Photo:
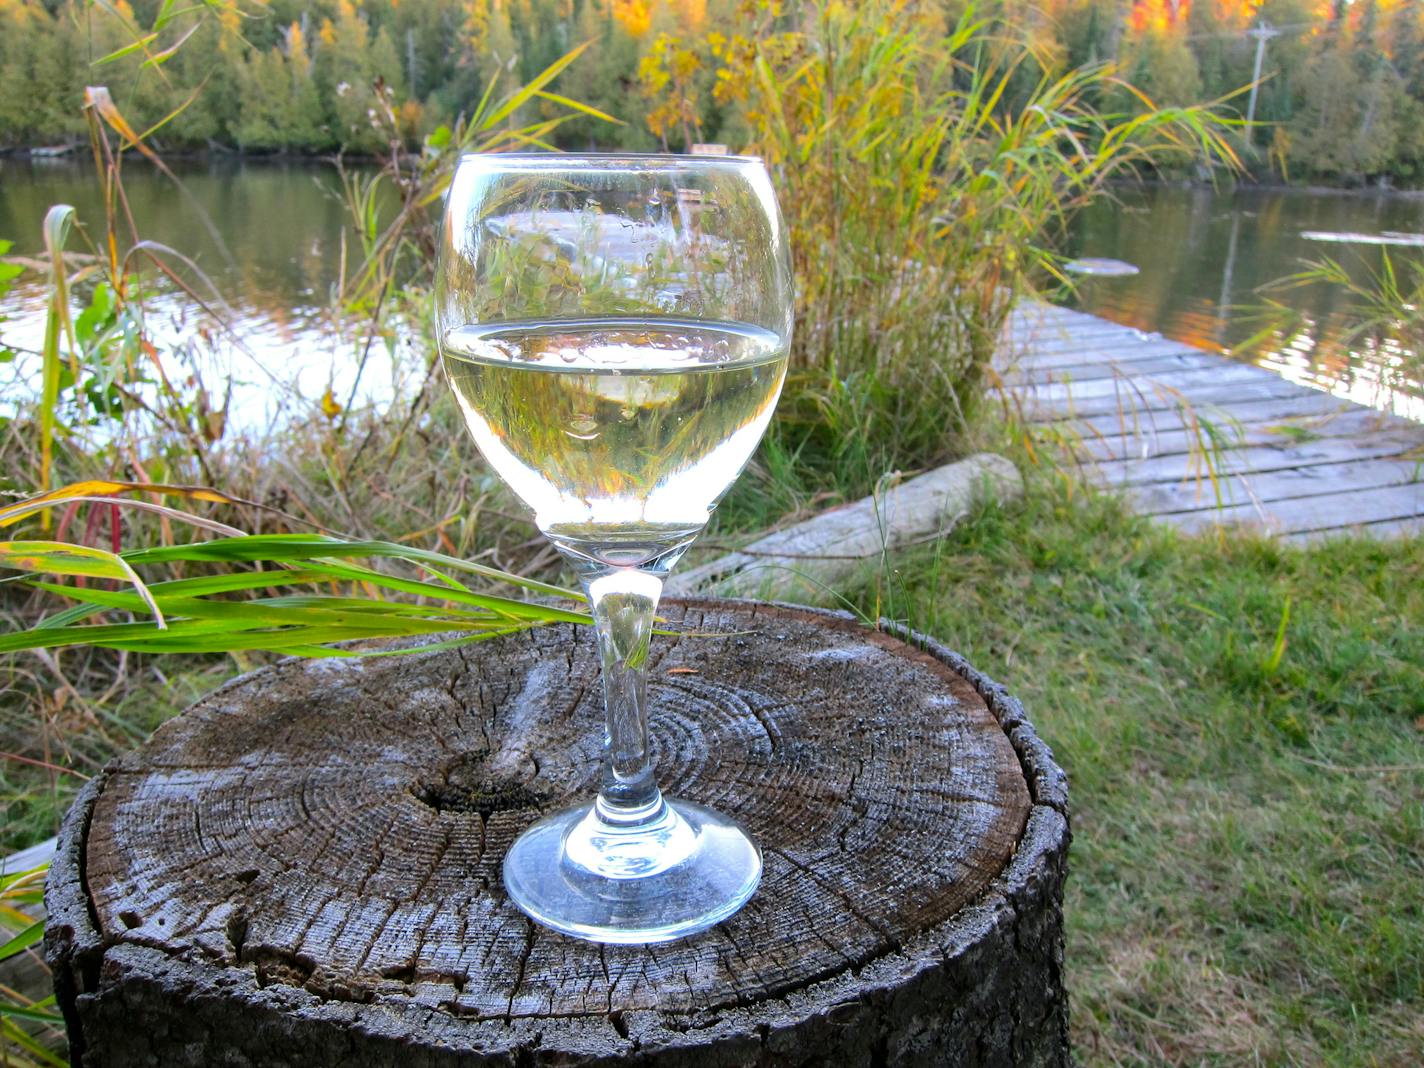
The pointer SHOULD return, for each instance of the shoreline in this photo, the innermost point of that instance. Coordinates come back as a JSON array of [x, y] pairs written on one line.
[[76, 151], [79, 153], [1249, 185]]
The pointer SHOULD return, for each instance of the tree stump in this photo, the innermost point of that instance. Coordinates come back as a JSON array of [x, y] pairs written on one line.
[[304, 868]]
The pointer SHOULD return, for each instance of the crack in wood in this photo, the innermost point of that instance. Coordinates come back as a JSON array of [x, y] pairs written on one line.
[[530, 933]]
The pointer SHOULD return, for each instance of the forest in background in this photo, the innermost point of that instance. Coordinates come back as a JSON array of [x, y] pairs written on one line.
[[1342, 93]]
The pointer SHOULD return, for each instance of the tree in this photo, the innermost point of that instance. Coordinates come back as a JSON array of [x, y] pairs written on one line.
[[1348, 121], [605, 77], [36, 74]]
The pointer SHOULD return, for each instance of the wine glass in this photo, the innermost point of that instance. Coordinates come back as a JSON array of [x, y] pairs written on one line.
[[615, 329]]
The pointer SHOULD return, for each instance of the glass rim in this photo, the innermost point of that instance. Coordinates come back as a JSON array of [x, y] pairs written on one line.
[[670, 159]]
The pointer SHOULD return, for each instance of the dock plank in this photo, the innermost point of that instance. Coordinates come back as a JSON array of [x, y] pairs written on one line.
[[1195, 495], [1066, 345], [1040, 371], [1186, 383], [1335, 511], [1389, 528], [1261, 458], [1271, 431], [1302, 407], [1137, 397], [1137, 410]]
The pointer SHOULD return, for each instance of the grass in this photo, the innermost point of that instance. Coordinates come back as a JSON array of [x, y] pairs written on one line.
[[1247, 779], [78, 737]]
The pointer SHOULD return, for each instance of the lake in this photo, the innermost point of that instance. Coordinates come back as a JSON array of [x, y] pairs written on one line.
[[269, 235], [1202, 256]]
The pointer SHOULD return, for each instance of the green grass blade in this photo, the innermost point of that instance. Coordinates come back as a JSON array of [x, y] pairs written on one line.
[[57, 223], [63, 558], [275, 547], [127, 50], [529, 91], [23, 941], [9, 1031], [31, 1012], [10, 880]]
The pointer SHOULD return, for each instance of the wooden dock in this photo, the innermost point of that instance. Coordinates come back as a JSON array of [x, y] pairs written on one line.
[[1198, 440]]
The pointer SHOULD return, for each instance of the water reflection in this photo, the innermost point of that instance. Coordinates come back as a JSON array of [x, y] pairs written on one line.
[[1203, 255], [269, 237]]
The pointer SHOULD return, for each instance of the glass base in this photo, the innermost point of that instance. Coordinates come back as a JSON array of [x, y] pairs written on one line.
[[670, 876]]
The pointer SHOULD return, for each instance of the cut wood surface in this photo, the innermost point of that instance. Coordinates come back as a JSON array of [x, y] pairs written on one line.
[[1202, 441], [811, 561], [304, 868]]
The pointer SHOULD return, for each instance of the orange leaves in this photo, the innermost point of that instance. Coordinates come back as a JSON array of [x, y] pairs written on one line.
[[635, 16]]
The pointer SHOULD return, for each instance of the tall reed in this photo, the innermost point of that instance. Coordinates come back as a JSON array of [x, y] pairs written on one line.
[[925, 170], [1380, 312]]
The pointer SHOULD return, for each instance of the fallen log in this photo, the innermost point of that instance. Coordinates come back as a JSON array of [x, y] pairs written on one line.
[[814, 559]]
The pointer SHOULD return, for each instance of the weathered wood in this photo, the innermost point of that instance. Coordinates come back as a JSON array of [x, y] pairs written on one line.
[[1304, 404], [304, 867], [1142, 398], [1273, 432], [1331, 511], [1170, 388], [25, 859], [1253, 459], [1128, 350], [1265, 486], [1142, 412], [812, 560], [1388, 528], [1081, 368]]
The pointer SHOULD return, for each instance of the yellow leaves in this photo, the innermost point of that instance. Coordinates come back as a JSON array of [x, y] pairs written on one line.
[[13, 513], [296, 43], [652, 75], [684, 63], [669, 71], [691, 13], [97, 98]]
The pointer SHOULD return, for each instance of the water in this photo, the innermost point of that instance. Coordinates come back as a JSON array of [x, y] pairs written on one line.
[[620, 434], [268, 240], [1203, 256]]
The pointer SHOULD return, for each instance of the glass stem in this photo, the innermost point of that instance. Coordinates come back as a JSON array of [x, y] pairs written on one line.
[[624, 601]]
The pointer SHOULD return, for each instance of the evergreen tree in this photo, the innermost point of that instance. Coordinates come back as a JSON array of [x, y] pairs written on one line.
[[1343, 89]]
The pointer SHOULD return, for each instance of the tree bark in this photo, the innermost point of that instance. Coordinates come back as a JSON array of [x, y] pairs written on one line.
[[304, 868]]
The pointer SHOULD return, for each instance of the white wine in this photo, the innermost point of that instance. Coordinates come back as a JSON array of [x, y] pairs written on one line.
[[620, 434]]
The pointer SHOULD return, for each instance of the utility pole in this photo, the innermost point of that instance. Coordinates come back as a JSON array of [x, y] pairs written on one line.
[[1262, 32]]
